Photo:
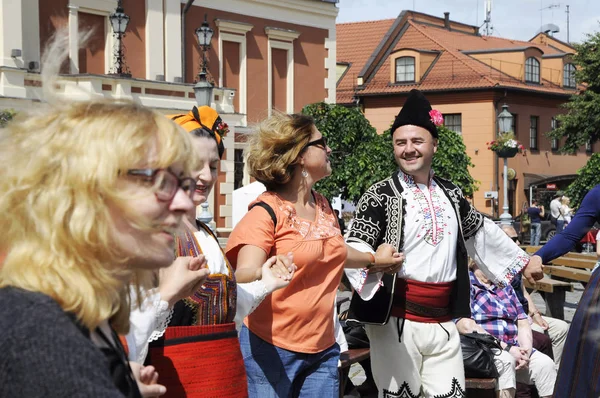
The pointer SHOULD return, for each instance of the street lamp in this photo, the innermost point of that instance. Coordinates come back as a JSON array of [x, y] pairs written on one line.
[[203, 88], [119, 21], [504, 125]]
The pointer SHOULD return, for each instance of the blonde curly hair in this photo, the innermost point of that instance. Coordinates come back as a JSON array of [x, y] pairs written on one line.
[[59, 178], [274, 148]]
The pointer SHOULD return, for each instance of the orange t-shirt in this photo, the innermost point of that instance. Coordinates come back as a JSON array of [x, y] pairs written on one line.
[[298, 317]]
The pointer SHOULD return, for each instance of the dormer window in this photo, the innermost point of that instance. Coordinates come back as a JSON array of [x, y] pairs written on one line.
[[569, 76], [532, 70], [405, 69]]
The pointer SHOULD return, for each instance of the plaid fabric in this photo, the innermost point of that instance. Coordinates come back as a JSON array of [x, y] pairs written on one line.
[[496, 310]]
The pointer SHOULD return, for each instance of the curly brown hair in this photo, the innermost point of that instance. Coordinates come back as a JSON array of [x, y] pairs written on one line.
[[275, 146]]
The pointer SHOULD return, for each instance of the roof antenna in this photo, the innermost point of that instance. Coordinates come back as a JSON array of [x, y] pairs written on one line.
[[487, 21]]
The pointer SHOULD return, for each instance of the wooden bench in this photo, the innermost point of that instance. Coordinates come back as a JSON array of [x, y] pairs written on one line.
[[481, 388], [554, 294], [347, 359]]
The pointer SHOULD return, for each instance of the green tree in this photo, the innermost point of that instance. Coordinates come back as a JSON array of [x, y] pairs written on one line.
[[580, 124], [360, 157], [587, 178]]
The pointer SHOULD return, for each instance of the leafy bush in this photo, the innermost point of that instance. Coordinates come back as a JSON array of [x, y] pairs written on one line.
[[587, 178]]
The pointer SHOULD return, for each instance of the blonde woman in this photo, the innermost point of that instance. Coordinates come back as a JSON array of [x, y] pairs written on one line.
[[288, 342], [91, 194]]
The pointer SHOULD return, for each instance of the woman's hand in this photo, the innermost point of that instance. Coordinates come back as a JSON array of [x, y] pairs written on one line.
[[387, 259], [278, 271], [147, 380], [182, 278]]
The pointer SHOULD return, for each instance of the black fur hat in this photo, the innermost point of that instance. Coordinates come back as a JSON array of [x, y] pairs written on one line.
[[417, 112]]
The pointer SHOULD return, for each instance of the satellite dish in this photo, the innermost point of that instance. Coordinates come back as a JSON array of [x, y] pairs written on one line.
[[549, 28]]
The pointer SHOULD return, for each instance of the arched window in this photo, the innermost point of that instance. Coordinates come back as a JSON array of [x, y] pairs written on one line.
[[569, 76], [405, 69], [532, 70]]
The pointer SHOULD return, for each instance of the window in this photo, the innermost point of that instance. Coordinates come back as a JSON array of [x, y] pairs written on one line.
[[532, 70], [453, 121], [533, 132], [569, 76], [514, 124], [588, 146], [405, 69], [238, 168], [555, 141]]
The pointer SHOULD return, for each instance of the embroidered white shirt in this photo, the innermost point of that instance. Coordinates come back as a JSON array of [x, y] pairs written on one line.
[[430, 233]]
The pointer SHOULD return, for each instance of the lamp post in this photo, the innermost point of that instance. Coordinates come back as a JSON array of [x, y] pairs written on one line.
[[504, 125], [119, 21], [203, 88]]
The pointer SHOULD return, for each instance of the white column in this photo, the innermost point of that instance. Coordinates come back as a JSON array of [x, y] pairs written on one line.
[[330, 66], [155, 53], [172, 31], [31, 32], [11, 37], [73, 39]]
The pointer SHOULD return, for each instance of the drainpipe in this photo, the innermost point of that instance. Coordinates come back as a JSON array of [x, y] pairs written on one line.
[[186, 8]]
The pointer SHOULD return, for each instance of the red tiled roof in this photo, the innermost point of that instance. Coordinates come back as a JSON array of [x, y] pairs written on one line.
[[355, 43], [453, 69]]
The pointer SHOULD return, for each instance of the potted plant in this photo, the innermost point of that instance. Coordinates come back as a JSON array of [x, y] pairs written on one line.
[[506, 146]]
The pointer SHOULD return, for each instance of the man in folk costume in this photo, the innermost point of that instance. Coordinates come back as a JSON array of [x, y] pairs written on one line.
[[415, 347]]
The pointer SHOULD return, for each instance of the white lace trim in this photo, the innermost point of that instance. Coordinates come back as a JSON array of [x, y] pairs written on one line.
[[262, 293], [162, 318]]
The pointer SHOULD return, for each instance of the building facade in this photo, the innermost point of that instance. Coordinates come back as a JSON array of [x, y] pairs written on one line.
[[468, 78], [265, 55]]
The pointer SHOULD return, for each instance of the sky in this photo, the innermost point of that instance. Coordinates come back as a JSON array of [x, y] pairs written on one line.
[[512, 19]]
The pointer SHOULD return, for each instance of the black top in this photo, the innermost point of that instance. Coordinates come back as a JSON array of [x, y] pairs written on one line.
[[45, 354], [534, 214]]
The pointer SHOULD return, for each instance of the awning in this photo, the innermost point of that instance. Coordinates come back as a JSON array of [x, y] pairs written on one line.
[[540, 180]]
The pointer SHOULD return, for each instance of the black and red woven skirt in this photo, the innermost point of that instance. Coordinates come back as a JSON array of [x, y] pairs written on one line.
[[200, 361]]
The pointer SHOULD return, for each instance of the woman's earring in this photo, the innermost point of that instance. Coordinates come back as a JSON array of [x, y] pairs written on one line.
[[304, 173]]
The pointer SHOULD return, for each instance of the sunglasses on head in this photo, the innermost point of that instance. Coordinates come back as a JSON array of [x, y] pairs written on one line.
[[514, 238], [320, 143]]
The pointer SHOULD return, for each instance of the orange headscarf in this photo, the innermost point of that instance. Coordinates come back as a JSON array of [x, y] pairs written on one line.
[[203, 118]]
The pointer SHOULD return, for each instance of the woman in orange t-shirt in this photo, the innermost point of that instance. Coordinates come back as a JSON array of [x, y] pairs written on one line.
[[288, 342]]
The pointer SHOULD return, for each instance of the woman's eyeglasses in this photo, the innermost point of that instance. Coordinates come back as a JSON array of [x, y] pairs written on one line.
[[514, 238], [320, 143], [165, 183]]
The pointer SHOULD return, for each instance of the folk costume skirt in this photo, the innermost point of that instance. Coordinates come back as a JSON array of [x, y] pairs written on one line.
[[200, 362]]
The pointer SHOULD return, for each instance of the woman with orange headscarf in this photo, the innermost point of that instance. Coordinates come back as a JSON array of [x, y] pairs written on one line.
[[190, 329]]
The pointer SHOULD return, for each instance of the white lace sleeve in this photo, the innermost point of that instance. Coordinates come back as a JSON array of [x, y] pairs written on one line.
[[148, 323], [496, 254], [249, 296]]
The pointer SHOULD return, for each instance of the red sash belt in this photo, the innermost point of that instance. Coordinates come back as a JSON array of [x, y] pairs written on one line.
[[200, 361], [422, 301]]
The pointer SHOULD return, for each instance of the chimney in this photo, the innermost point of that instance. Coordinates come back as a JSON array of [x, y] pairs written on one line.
[[447, 20]]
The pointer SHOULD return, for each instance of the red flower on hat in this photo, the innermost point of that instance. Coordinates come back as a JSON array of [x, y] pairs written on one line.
[[436, 117], [222, 129]]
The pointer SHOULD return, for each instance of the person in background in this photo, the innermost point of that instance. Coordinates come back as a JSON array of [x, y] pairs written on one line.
[[288, 342], [557, 329], [566, 210], [536, 213], [498, 312], [578, 374], [341, 221], [91, 193], [556, 215], [525, 221], [206, 310]]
